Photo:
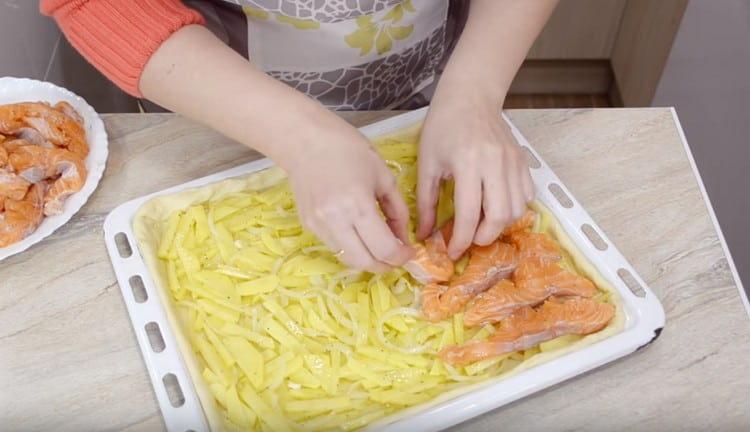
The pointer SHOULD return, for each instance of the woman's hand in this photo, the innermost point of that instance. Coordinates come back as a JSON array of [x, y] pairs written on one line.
[[466, 139], [338, 180], [464, 136]]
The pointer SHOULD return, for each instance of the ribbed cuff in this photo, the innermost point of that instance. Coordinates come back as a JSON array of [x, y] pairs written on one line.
[[118, 37]]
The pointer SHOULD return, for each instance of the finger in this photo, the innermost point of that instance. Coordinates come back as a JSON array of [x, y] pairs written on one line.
[[428, 188], [355, 253], [380, 241], [324, 235], [517, 199], [495, 206], [468, 204], [527, 183], [395, 210]]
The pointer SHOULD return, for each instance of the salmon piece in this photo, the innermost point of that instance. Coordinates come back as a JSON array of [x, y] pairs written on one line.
[[524, 223], [528, 327], [3, 157], [505, 297], [535, 245], [11, 145], [21, 217], [69, 111], [12, 186], [34, 164], [53, 125], [30, 136], [496, 303], [538, 276], [432, 308], [487, 265], [431, 262]]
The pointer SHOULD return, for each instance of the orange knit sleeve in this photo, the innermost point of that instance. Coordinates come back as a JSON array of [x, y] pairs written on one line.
[[118, 37]]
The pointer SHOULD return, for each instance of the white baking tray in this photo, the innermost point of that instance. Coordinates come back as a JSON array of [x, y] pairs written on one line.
[[644, 316]]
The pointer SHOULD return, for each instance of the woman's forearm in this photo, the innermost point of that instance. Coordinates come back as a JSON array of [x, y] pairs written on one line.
[[494, 43], [194, 74]]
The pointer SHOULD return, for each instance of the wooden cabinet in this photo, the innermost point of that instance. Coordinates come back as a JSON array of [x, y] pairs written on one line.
[[579, 29], [614, 47]]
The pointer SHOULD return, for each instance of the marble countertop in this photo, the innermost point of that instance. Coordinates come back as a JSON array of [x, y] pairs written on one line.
[[69, 359]]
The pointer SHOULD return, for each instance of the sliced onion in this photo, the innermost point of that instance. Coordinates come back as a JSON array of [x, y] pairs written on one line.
[[455, 376], [390, 314], [317, 248], [400, 286]]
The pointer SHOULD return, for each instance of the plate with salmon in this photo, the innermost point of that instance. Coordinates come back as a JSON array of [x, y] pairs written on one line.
[[53, 150], [265, 329]]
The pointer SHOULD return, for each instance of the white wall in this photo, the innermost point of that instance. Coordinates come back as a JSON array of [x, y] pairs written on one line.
[[27, 39], [707, 79], [31, 46]]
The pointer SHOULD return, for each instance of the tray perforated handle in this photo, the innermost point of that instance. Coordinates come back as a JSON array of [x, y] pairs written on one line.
[[180, 408], [588, 236]]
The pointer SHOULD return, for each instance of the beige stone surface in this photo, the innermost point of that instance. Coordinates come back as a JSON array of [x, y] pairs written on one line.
[[69, 359]]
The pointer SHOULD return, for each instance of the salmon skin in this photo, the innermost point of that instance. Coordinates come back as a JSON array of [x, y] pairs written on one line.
[[528, 327]]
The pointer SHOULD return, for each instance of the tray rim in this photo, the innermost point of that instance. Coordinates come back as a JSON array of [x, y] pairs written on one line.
[[644, 316]]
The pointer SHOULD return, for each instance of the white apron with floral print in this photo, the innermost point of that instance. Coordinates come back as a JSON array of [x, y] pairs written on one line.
[[348, 54]]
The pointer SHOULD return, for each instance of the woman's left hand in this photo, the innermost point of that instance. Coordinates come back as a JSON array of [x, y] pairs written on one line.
[[468, 140]]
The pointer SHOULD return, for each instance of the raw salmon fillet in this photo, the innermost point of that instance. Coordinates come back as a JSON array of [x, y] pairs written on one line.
[[535, 245], [487, 265], [535, 275], [431, 262], [528, 327], [502, 299], [522, 224]]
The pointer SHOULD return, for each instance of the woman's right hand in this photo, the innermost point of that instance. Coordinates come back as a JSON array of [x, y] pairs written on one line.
[[337, 177], [338, 181]]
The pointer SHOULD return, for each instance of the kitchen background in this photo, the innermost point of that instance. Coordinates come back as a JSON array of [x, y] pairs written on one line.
[[693, 55]]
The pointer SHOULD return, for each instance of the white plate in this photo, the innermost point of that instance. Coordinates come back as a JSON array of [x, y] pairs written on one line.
[[644, 316], [27, 90]]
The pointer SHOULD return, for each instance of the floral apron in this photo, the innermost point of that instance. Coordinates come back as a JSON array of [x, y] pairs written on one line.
[[347, 54]]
